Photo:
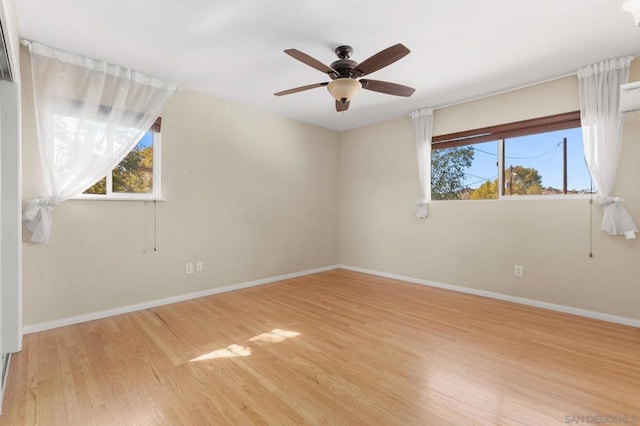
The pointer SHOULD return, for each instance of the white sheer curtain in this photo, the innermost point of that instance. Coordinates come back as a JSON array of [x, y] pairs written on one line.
[[599, 88], [423, 126], [89, 114]]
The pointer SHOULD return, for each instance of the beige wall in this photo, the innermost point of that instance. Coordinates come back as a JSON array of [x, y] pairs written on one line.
[[476, 243], [255, 196], [250, 194]]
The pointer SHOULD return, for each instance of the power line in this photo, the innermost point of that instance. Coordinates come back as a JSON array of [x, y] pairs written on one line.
[[519, 158], [482, 179], [552, 150], [551, 157], [485, 152], [479, 177]]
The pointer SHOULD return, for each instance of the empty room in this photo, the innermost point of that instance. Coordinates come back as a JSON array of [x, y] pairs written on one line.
[[337, 213]]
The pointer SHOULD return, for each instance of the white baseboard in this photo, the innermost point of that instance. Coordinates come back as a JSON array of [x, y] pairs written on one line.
[[514, 299], [166, 301], [174, 299]]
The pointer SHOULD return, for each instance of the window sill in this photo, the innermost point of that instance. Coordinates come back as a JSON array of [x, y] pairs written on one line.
[[144, 198], [548, 197], [510, 198]]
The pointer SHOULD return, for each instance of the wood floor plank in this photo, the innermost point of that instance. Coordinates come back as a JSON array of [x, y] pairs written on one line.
[[335, 348]]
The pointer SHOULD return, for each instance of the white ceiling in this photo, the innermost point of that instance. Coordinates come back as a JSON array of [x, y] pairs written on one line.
[[233, 50]]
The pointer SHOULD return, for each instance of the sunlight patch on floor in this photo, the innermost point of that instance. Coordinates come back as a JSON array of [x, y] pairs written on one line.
[[230, 351], [274, 336]]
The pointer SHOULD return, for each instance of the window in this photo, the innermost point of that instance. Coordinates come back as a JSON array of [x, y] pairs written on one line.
[[138, 174], [549, 163], [542, 157]]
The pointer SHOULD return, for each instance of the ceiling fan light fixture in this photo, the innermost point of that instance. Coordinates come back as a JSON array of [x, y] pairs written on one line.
[[633, 7], [343, 89]]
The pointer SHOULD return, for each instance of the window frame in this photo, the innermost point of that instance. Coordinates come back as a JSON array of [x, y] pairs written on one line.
[[155, 195], [500, 132]]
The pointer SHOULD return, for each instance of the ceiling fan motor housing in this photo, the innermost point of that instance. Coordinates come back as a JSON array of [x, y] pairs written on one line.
[[344, 65]]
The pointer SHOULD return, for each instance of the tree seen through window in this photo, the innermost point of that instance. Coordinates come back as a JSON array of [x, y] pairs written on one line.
[[134, 174]]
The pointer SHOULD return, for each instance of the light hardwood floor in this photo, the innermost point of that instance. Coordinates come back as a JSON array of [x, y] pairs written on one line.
[[337, 348]]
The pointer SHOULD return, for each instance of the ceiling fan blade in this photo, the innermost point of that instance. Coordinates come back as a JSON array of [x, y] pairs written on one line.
[[380, 60], [312, 62], [386, 87], [300, 89], [342, 106]]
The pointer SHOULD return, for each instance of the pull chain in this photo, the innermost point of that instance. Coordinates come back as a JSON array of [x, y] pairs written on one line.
[[155, 226]]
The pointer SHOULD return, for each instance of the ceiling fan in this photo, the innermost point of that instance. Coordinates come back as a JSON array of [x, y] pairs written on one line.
[[345, 74]]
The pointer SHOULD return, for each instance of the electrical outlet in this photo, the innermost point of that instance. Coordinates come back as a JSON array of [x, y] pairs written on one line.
[[188, 268], [199, 266], [518, 270]]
